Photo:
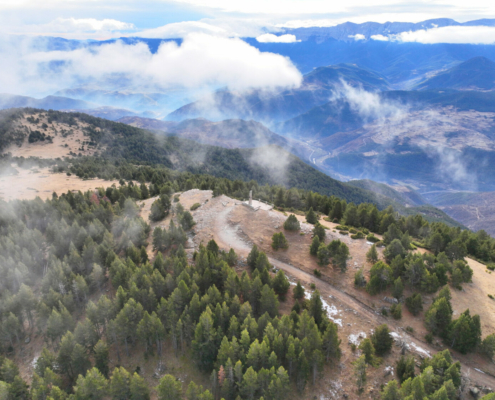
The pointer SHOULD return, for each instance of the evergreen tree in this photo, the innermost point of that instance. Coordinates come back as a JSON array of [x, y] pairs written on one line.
[[93, 386], [414, 304], [169, 388], [372, 254], [292, 224], [319, 231], [398, 288], [281, 284], [298, 291], [252, 257], [120, 384], [382, 340], [315, 245], [366, 346], [360, 372], [101, 358], [323, 255], [405, 368], [138, 388], [311, 217]]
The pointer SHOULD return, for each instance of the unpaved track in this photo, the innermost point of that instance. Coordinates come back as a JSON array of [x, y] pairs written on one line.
[[227, 235]]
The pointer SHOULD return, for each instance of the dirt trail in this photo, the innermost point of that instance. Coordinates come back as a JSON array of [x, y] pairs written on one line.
[[227, 236]]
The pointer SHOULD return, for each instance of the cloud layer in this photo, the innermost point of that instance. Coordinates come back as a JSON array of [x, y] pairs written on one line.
[[451, 34], [200, 61], [271, 38]]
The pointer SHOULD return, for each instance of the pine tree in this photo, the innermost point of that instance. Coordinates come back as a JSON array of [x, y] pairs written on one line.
[[319, 231], [169, 388], [398, 288], [249, 383], [391, 391], [360, 372], [382, 340], [101, 358], [372, 254], [315, 245], [292, 224], [323, 255], [298, 291], [92, 386], [281, 284], [120, 384], [253, 257], [405, 368], [311, 217], [366, 346]]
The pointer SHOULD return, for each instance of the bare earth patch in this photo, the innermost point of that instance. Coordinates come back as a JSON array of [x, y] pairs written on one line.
[[30, 183]]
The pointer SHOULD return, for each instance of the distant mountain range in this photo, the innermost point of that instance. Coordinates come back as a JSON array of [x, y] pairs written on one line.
[[347, 30], [317, 88], [477, 73]]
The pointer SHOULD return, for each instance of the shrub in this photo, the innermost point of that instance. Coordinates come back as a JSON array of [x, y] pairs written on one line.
[[319, 231], [353, 230], [414, 304], [176, 198], [292, 224], [312, 286], [317, 273], [315, 245], [311, 217], [343, 232], [382, 339], [359, 279], [491, 266], [429, 338], [358, 235], [195, 206], [372, 255], [380, 277], [279, 241], [372, 238], [298, 291], [396, 311]]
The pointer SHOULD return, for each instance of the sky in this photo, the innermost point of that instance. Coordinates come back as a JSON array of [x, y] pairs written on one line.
[[211, 55], [103, 19]]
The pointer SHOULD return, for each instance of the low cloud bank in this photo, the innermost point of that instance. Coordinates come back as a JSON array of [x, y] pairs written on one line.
[[199, 61]]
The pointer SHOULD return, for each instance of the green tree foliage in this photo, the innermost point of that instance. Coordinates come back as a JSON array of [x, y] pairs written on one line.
[[319, 231], [279, 241], [414, 303], [281, 284], [291, 223], [464, 333], [311, 217], [382, 339], [380, 278], [298, 291], [160, 208], [315, 245], [372, 254], [169, 388], [488, 346], [360, 372], [405, 368]]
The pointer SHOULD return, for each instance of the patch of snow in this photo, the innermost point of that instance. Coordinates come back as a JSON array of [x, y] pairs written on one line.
[[389, 370], [410, 345], [331, 311], [370, 243], [420, 350], [35, 360], [356, 338], [479, 370]]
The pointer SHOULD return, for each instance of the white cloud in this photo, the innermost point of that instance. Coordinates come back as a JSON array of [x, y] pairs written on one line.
[[200, 61], [380, 38], [451, 34], [271, 38], [357, 36], [181, 30], [86, 25]]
